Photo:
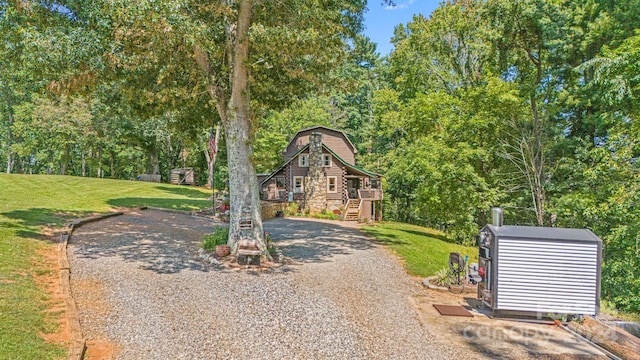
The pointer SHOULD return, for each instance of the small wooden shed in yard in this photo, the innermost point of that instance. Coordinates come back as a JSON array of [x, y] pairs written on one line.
[[183, 176]]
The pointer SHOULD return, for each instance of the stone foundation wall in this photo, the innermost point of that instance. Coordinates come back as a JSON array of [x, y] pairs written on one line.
[[334, 204], [269, 209]]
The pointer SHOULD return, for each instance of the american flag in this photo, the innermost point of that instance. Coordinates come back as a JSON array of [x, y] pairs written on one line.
[[213, 147]]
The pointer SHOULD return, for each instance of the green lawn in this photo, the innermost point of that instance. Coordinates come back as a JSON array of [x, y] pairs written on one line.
[[28, 203], [424, 250]]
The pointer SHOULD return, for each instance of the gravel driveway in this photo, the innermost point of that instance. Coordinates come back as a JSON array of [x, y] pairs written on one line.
[[140, 288]]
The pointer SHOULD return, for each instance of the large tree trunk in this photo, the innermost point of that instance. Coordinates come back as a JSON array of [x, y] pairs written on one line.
[[234, 111], [10, 158], [112, 164], [155, 162], [537, 160], [243, 180], [211, 157], [64, 162], [100, 173], [9, 140], [243, 183], [84, 165]]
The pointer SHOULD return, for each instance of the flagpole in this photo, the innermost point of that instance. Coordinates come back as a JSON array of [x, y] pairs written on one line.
[[213, 185]]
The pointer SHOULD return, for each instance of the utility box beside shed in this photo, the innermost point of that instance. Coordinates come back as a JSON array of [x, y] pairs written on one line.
[[539, 271]]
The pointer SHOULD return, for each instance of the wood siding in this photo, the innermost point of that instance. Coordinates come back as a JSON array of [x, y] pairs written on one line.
[[366, 210], [334, 140], [336, 171], [295, 170], [339, 144], [270, 191]]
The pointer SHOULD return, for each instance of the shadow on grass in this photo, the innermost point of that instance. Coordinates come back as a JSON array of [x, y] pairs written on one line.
[[386, 239], [27, 223], [175, 204], [183, 191], [428, 234], [309, 241], [162, 242]]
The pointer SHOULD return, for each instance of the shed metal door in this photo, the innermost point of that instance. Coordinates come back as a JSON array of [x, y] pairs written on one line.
[[547, 276]]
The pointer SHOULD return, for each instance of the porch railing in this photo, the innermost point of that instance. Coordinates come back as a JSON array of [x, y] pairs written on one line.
[[370, 194]]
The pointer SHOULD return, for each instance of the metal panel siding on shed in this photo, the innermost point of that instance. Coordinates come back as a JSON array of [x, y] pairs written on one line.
[[547, 276]]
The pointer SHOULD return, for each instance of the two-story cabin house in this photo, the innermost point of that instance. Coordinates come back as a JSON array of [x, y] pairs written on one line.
[[319, 174]]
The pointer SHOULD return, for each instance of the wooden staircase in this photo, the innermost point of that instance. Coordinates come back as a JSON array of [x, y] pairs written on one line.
[[352, 210]]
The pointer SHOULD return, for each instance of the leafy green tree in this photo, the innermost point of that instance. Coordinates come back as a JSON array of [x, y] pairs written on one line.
[[601, 191], [442, 53], [277, 129], [52, 132], [227, 51]]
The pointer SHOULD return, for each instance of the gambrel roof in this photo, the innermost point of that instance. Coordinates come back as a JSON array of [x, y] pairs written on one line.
[[351, 167], [355, 151]]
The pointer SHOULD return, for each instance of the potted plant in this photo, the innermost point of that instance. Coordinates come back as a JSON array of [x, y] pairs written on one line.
[[223, 250], [217, 241]]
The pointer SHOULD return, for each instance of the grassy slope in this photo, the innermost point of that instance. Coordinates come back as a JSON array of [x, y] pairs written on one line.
[[424, 251], [30, 202]]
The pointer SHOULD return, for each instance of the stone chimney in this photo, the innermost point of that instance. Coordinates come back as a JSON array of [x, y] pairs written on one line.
[[315, 187]]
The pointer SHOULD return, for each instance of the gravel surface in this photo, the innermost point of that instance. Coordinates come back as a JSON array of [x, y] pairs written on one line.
[[139, 286]]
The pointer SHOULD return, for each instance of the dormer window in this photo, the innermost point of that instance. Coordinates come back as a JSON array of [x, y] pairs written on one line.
[[326, 160], [303, 160]]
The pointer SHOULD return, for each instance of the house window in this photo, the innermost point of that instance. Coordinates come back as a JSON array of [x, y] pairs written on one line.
[[375, 184], [298, 184], [303, 160], [326, 160], [280, 182], [332, 184]]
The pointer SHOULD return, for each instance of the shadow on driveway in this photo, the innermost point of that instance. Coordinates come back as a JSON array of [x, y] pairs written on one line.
[[310, 240], [160, 241], [166, 243]]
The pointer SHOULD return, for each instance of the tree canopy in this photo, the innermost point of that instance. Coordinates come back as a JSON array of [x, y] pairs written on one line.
[[530, 105]]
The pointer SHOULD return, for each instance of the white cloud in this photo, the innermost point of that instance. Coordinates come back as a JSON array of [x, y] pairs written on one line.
[[404, 5]]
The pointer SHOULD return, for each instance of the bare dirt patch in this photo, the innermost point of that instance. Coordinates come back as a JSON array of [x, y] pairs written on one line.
[[495, 337], [93, 301], [102, 349], [47, 277]]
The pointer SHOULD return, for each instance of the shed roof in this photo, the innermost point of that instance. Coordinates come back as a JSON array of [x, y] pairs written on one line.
[[543, 233]]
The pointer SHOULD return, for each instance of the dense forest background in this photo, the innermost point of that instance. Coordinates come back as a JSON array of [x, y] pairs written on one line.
[[530, 105]]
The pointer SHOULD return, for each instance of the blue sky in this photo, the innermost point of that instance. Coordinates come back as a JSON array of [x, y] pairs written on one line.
[[380, 20]]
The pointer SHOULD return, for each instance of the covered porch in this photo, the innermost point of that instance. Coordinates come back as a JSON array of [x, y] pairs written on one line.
[[362, 196]]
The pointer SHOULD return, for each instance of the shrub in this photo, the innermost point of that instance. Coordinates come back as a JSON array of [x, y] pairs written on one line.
[[326, 215], [292, 210], [443, 277], [219, 236]]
